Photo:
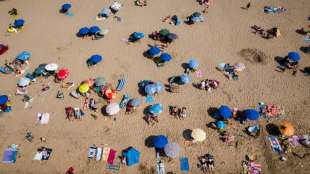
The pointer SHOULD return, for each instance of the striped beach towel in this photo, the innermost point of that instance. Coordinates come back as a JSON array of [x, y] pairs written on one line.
[[121, 84]]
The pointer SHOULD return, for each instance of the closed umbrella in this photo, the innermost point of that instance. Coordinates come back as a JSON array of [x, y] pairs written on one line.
[[150, 89], [112, 108], [198, 135], [225, 112], [62, 74], [100, 81], [94, 29], [294, 56], [160, 141], [156, 109], [164, 32], [153, 51], [172, 150], [165, 57], [193, 64], [83, 31], [83, 88], [19, 23], [3, 99], [251, 114], [184, 79], [23, 56], [23, 82], [287, 128], [51, 67], [135, 102]]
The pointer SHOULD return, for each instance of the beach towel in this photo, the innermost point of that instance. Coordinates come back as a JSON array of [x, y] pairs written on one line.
[[121, 84], [91, 152], [38, 156], [69, 14], [124, 101], [43, 118], [160, 166], [98, 154], [274, 142], [307, 38], [105, 153], [9, 156], [111, 156], [43, 154], [184, 166], [149, 99], [113, 167]]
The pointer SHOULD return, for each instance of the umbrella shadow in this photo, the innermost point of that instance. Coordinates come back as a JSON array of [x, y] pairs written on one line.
[[273, 129], [280, 60], [103, 111], [196, 85], [305, 49], [184, 66], [148, 142], [187, 134], [214, 113]]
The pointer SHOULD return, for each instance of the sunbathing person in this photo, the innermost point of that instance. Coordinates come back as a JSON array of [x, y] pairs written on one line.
[[182, 113], [141, 3], [174, 110], [151, 119]]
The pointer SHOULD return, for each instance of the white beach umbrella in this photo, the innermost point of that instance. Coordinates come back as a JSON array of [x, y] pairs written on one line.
[[112, 108]]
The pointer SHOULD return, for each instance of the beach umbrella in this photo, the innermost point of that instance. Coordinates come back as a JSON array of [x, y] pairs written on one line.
[[159, 87], [239, 67], [100, 81], [19, 23], [51, 67], [40, 69], [153, 51], [116, 6], [221, 66], [220, 124], [3, 99], [3, 48], [94, 59], [196, 14], [156, 109], [89, 82], [287, 128], [172, 150], [184, 79], [193, 64], [225, 112], [83, 31], [110, 94], [105, 12], [294, 56], [23, 82], [94, 29], [172, 36], [23, 56], [251, 114], [150, 89], [62, 74], [83, 88], [112, 108], [132, 156], [164, 32], [160, 141], [135, 102], [165, 57], [138, 35], [66, 7], [198, 135]]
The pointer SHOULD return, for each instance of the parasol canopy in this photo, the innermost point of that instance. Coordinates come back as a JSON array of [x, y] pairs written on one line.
[[100, 81], [198, 135], [150, 89], [19, 23], [251, 114], [193, 63], [135, 102], [62, 74], [83, 88], [23, 82], [172, 150], [165, 57], [225, 112], [94, 29], [23, 56], [160, 141], [294, 56], [51, 67], [3, 99], [287, 128], [184, 79], [112, 108], [164, 32], [66, 7], [153, 52], [156, 109], [83, 31]]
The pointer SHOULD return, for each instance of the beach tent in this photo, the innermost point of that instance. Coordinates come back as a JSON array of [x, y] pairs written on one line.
[[100, 81], [23, 56], [193, 63], [83, 31], [150, 89], [156, 109], [165, 57], [294, 56], [3, 99], [153, 52], [225, 112], [160, 141], [250, 114], [132, 156], [112, 108], [23, 82], [18, 23], [287, 128], [83, 88], [94, 59], [135, 102], [184, 79], [62, 74], [94, 29], [198, 135], [172, 150]]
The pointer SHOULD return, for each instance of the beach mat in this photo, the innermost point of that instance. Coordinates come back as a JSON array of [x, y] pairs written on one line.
[[184, 166], [121, 84], [9, 156], [113, 167], [111, 156]]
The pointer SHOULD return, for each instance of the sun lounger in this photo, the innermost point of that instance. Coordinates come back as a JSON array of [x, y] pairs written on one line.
[[121, 84], [9, 156], [184, 166], [111, 156]]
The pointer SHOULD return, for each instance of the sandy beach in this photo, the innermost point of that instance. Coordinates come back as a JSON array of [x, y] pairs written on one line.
[[226, 30]]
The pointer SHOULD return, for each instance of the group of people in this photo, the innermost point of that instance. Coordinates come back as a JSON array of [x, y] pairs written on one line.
[[206, 163], [267, 34], [177, 112], [208, 84]]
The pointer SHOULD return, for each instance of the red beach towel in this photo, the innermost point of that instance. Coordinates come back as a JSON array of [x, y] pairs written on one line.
[[111, 157]]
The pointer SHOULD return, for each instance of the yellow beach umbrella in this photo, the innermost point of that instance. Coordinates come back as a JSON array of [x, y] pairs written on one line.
[[198, 135], [83, 88], [287, 128]]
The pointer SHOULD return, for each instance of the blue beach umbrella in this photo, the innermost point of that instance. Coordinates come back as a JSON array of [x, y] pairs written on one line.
[[156, 109], [220, 124], [3, 99], [83, 31], [165, 57], [225, 112], [193, 64], [251, 114], [19, 23], [172, 150], [66, 7], [135, 102], [160, 141], [94, 59], [132, 156], [159, 87], [184, 79], [94, 29], [294, 56], [23, 56], [150, 89], [138, 35], [153, 51]]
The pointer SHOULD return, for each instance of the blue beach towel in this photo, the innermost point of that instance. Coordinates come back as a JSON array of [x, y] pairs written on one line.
[[184, 166], [124, 101], [9, 156], [121, 84]]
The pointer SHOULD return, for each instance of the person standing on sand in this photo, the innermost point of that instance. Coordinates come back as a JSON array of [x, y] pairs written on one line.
[[248, 6]]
